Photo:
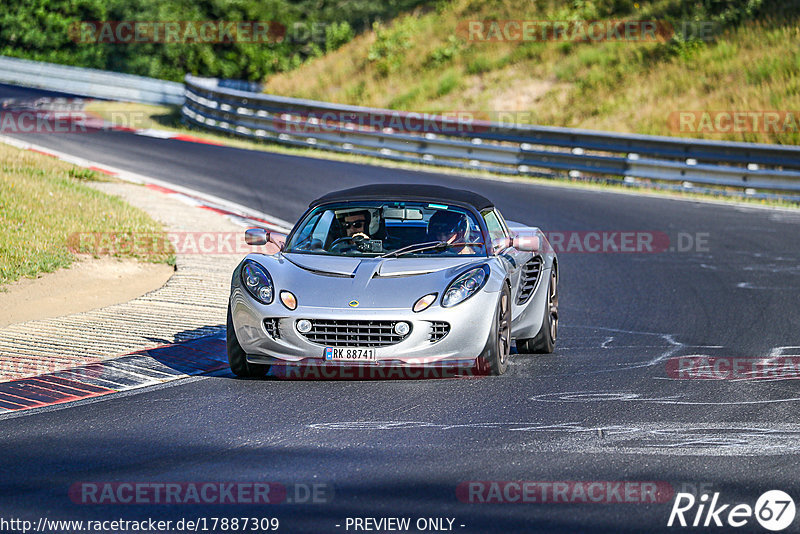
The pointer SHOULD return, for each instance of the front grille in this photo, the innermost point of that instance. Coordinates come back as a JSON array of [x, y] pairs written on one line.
[[271, 326], [439, 329], [340, 333], [528, 279]]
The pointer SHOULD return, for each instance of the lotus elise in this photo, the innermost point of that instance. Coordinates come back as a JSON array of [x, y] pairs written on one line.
[[395, 275]]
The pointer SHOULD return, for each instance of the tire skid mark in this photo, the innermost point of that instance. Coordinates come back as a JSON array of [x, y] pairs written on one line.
[[667, 438]]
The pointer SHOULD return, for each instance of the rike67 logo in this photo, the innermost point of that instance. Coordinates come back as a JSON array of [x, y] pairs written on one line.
[[774, 510]]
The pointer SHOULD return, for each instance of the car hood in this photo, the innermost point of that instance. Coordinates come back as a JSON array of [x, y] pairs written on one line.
[[336, 281]]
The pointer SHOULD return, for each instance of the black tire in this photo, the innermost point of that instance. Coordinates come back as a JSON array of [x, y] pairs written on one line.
[[237, 358], [545, 340], [498, 346]]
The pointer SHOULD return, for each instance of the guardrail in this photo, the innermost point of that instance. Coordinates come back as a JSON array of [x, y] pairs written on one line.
[[496, 147], [89, 82]]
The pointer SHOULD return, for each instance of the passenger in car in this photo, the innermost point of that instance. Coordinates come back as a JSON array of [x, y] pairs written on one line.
[[450, 227]]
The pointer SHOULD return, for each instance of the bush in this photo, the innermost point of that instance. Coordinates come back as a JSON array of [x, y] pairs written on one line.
[[445, 53], [388, 50], [449, 81], [338, 34], [40, 30], [479, 65]]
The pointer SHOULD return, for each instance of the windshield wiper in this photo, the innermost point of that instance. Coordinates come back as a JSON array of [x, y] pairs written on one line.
[[416, 247], [420, 247]]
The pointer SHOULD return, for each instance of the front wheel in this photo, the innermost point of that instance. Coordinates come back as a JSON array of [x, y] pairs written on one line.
[[237, 358], [545, 340], [499, 345]]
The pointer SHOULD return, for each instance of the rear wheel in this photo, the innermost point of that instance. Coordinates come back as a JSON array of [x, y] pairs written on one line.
[[237, 358], [499, 345], [545, 340]]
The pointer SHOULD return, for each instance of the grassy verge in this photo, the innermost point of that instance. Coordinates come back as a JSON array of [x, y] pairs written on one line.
[[138, 116], [168, 118], [427, 62], [44, 201]]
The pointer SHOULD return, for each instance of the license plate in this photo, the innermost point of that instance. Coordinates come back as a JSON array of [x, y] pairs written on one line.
[[349, 354]]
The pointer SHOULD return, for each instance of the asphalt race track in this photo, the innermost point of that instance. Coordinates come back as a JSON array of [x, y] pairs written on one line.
[[607, 406]]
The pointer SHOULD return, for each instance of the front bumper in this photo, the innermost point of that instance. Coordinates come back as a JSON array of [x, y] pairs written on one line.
[[470, 325]]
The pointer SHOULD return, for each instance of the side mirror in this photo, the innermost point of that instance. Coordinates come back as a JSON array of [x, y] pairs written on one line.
[[256, 236], [526, 243]]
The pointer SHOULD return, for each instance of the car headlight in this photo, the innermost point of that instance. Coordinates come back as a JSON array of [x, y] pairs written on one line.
[[257, 281], [465, 286]]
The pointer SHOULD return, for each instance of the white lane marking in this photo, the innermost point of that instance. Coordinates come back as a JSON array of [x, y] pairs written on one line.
[[159, 134], [187, 200]]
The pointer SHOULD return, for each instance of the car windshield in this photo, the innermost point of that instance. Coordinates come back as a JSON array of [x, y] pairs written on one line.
[[391, 229]]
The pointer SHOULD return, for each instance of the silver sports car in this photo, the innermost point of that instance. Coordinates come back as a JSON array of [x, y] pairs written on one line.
[[395, 275]]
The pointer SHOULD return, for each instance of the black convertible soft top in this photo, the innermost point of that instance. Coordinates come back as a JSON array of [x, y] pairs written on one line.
[[419, 192]]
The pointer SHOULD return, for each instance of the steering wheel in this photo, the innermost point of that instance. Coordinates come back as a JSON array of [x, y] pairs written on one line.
[[340, 241], [355, 239]]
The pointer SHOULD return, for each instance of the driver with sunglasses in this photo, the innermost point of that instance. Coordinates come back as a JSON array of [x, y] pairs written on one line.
[[355, 223]]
